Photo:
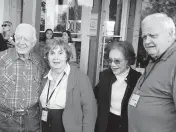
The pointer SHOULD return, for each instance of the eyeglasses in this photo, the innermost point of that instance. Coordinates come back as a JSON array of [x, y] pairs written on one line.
[[4, 25], [116, 61]]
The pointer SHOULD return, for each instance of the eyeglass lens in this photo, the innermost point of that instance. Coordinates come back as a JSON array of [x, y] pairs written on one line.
[[115, 61], [4, 25]]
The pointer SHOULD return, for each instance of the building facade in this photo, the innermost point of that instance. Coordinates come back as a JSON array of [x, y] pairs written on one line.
[[90, 24]]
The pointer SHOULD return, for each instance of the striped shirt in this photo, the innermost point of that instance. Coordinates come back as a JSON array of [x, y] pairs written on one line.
[[19, 79]]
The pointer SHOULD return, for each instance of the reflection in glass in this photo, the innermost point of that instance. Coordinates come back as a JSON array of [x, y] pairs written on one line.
[[60, 18], [61, 15], [42, 20]]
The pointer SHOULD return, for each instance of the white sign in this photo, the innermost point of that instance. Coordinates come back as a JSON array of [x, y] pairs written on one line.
[[93, 24]]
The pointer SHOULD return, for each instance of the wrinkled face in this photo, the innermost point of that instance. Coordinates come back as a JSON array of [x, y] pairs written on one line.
[[5, 27], [65, 36], [57, 58], [156, 38], [49, 34], [117, 61], [24, 41]]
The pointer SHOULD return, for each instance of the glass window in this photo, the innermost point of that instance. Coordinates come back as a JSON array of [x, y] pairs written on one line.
[[61, 15]]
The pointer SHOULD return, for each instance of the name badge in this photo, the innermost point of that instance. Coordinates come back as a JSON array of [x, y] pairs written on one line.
[[134, 100], [44, 115]]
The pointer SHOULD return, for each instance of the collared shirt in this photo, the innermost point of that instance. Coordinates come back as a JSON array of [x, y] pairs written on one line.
[[118, 91], [19, 79], [58, 98]]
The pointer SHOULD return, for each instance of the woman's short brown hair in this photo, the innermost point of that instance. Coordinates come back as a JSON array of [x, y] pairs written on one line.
[[126, 48], [53, 44]]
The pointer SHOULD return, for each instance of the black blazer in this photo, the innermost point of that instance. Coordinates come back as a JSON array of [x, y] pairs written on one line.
[[103, 95]]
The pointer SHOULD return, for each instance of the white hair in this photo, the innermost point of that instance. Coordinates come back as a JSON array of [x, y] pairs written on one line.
[[167, 22], [26, 28]]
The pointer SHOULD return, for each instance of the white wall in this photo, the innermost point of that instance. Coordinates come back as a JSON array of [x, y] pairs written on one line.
[[12, 12], [1, 12]]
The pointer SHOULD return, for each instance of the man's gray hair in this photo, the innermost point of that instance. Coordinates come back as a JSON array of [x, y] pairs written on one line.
[[27, 26], [164, 19]]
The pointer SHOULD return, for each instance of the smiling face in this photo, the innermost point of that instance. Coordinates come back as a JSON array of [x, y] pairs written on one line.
[[117, 61], [24, 40], [49, 34], [65, 37], [57, 58], [156, 38]]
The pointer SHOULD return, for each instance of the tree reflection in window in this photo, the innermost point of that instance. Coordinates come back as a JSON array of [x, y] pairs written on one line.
[[61, 22], [43, 11]]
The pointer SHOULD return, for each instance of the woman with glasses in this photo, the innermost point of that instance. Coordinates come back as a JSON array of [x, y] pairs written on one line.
[[115, 87], [67, 100], [7, 36]]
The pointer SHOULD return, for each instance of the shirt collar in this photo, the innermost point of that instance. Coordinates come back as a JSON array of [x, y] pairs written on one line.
[[166, 54], [66, 70], [169, 51]]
